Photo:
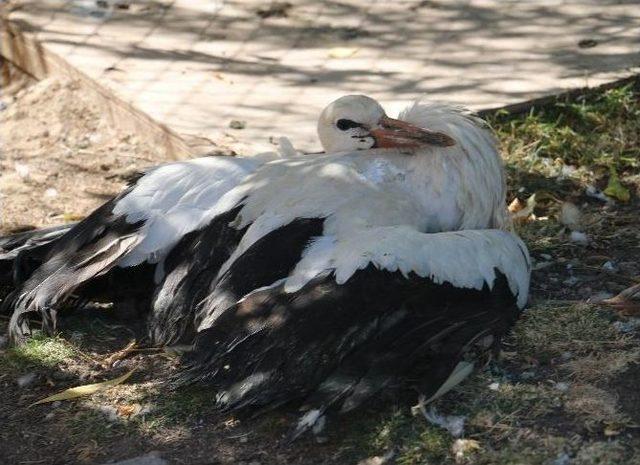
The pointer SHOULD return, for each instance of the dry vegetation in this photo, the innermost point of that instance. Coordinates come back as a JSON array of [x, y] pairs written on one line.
[[562, 392]]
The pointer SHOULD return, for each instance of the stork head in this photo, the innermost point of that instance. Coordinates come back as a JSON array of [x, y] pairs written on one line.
[[358, 122]]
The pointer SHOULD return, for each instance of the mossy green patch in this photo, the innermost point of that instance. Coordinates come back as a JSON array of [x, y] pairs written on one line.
[[38, 352]]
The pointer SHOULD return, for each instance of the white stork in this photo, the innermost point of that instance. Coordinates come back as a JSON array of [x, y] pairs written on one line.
[[326, 277]]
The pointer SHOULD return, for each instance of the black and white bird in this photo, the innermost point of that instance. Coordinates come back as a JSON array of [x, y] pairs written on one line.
[[385, 261]]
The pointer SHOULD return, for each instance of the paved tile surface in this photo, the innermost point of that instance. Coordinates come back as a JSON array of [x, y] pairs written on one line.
[[196, 65]]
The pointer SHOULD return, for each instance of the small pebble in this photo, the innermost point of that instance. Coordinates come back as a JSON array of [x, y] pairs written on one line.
[[579, 237], [237, 124], [627, 326], [609, 266], [596, 193], [599, 297], [22, 170], [51, 193], [152, 458], [494, 386], [562, 459]]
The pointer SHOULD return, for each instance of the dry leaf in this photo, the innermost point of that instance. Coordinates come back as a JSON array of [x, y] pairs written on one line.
[[461, 448], [86, 390], [523, 214], [128, 410], [342, 52], [516, 205]]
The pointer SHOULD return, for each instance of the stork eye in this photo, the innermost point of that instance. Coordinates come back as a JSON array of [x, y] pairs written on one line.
[[344, 124]]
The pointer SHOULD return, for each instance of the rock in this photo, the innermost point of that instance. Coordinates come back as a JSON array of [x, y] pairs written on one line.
[[561, 386], [570, 216], [454, 424], [380, 459], [562, 459], [51, 193], [627, 326], [579, 237], [599, 297], [22, 170], [152, 458], [236, 124], [26, 380]]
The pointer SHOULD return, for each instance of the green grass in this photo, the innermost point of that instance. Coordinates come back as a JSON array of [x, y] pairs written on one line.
[[594, 130], [38, 352]]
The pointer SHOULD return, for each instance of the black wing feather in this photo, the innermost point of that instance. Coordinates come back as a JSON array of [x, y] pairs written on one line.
[[337, 345]]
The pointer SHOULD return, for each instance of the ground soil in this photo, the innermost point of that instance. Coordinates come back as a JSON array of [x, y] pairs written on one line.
[[60, 160]]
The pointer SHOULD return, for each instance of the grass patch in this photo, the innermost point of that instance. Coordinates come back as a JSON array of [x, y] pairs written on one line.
[[38, 352], [553, 330], [593, 130]]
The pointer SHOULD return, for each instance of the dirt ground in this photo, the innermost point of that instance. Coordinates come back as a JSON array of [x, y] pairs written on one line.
[[563, 392]]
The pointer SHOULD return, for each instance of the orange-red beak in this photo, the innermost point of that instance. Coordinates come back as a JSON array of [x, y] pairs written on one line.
[[393, 133]]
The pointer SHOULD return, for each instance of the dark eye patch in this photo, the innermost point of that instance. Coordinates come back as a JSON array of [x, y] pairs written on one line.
[[344, 124]]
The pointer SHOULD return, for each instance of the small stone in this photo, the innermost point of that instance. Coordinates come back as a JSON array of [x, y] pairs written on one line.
[[83, 144], [51, 193], [609, 266], [237, 124], [570, 216], [579, 237], [152, 458], [95, 138], [27, 380], [599, 297], [596, 193], [22, 170], [627, 326], [494, 386], [562, 459]]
